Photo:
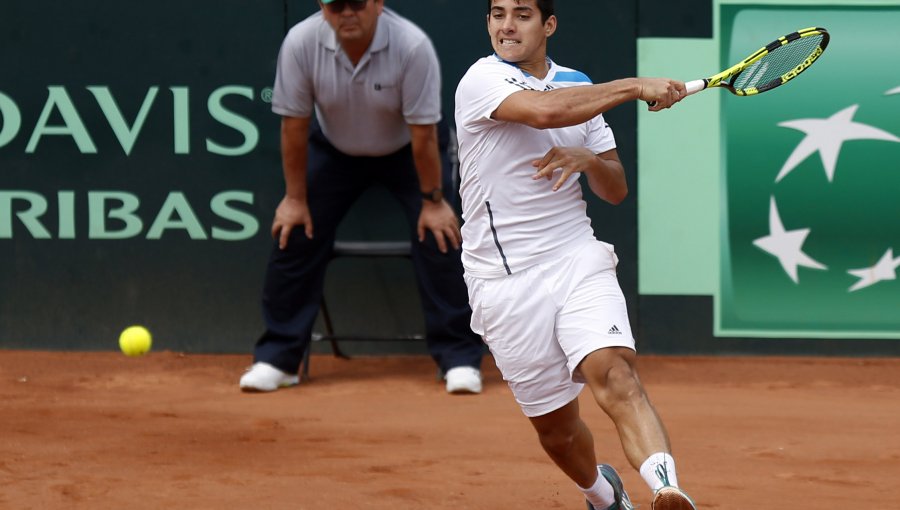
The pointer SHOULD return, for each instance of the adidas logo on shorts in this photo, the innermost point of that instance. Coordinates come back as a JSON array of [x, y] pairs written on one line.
[[614, 331]]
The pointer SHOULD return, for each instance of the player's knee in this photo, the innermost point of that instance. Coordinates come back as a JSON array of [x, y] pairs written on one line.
[[622, 386]]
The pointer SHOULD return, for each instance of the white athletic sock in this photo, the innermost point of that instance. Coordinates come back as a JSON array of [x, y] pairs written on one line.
[[600, 494], [659, 470]]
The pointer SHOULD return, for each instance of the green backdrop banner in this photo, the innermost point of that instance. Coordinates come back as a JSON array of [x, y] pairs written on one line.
[[138, 170], [811, 211], [139, 167]]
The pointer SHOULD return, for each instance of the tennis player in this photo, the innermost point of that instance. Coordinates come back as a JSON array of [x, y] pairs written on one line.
[[543, 289]]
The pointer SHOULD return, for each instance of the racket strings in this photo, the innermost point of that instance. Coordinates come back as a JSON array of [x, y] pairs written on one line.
[[777, 62]]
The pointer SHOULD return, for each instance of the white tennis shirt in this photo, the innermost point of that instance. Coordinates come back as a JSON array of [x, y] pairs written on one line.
[[363, 110], [511, 221]]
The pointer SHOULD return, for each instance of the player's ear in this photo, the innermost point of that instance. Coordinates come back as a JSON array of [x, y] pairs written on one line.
[[550, 26]]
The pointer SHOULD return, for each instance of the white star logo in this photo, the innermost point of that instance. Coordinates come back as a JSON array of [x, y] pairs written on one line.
[[895, 90], [786, 245], [884, 269], [826, 136]]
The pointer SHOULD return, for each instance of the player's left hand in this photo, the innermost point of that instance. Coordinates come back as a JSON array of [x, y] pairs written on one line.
[[569, 160], [441, 220]]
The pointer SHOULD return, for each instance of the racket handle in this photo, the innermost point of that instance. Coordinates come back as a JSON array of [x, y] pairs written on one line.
[[692, 87], [695, 86]]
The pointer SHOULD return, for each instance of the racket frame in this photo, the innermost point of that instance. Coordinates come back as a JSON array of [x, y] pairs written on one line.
[[722, 79]]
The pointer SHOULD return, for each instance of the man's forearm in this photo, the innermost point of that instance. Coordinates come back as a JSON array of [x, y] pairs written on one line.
[[566, 106], [607, 179], [426, 156], [294, 151], [576, 105]]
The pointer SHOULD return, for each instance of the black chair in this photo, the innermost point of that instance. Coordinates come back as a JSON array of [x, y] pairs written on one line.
[[367, 249]]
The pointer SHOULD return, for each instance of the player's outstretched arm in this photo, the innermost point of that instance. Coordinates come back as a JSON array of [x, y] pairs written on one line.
[[575, 105]]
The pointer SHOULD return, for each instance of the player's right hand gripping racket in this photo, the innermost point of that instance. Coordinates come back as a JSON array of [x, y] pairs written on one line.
[[775, 64]]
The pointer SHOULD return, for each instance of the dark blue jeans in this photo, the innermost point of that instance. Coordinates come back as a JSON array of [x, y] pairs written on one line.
[[295, 276]]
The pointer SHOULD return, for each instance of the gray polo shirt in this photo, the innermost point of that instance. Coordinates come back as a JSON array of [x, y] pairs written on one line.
[[363, 111]]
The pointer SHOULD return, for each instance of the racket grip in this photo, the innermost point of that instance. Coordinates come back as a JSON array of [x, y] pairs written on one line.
[[695, 86], [692, 87]]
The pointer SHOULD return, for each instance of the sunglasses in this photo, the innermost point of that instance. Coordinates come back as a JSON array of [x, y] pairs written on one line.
[[337, 6]]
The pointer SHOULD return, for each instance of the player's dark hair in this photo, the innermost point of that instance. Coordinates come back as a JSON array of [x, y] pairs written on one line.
[[545, 6]]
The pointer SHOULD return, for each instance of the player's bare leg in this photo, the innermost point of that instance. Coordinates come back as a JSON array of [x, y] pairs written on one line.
[[610, 375], [570, 444], [617, 389]]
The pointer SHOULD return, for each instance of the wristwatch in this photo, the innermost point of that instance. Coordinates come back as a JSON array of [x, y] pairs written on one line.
[[435, 195]]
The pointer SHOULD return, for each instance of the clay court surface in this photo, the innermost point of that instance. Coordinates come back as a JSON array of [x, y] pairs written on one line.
[[102, 431]]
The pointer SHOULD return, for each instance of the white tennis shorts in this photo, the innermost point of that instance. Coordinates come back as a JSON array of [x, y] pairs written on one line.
[[540, 323]]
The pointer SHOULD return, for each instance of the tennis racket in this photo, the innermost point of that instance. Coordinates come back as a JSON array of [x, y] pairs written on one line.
[[774, 64]]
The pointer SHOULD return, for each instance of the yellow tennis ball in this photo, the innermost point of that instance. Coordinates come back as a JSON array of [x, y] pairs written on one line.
[[135, 341]]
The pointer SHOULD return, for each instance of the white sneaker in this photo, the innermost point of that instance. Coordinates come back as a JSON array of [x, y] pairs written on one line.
[[264, 377], [463, 380]]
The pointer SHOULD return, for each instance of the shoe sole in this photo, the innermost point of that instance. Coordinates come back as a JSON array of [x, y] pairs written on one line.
[[251, 389], [462, 391], [254, 389], [670, 498]]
